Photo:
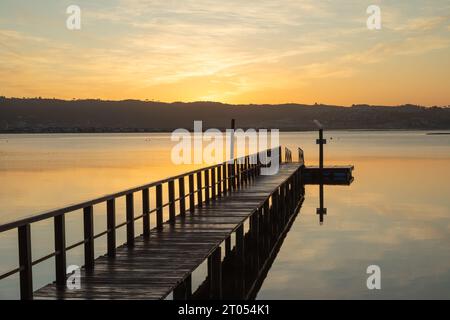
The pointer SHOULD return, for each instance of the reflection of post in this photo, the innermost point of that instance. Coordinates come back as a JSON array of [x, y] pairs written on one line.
[[321, 211]]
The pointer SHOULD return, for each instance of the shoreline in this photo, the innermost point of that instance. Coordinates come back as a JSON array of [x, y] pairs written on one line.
[[428, 131]]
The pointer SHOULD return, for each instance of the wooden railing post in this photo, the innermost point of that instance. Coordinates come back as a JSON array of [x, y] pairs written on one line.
[[225, 178], [159, 206], [199, 190], [146, 212], [213, 183], [111, 225], [279, 155], [191, 194], [232, 174], [238, 173], [219, 181], [207, 186], [182, 195], [26, 274], [88, 217], [247, 169], [130, 219], [171, 186], [60, 250]]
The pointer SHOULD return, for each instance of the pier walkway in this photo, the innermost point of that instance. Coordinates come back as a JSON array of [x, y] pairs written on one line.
[[205, 223]]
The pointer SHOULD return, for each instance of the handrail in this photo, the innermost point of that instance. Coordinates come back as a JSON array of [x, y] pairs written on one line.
[[235, 174], [52, 213]]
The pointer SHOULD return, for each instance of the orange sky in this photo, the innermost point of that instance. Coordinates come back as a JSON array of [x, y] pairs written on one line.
[[301, 51]]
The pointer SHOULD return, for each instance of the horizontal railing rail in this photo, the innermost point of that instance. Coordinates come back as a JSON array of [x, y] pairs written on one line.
[[211, 182]]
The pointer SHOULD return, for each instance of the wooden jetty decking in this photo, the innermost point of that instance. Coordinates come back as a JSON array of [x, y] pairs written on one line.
[[339, 175], [209, 208], [156, 265]]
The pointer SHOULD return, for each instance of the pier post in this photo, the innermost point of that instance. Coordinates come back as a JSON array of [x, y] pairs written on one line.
[[111, 225], [321, 141], [26, 274], [219, 181], [130, 219], [240, 262], [60, 250], [159, 206], [213, 183], [171, 187], [145, 213], [182, 196], [215, 274], [225, 178], [88, 221], [191, 194], [184, 290], [199, 189], [207, 186]]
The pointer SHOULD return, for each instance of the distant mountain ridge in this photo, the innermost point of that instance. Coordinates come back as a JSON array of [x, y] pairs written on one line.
[[52, 115]]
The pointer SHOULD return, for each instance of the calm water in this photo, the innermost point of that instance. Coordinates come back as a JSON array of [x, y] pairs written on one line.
[[395, 214]]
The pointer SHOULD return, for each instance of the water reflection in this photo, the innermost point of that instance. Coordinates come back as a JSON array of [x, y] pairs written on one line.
[[321, 211]]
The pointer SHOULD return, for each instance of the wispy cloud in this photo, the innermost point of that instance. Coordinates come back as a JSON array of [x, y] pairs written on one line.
[[192, 49]]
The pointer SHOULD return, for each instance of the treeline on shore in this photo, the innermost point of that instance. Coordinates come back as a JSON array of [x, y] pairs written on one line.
[[37, 115]]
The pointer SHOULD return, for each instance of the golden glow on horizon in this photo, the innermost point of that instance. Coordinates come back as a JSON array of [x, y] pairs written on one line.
[[234, 52]]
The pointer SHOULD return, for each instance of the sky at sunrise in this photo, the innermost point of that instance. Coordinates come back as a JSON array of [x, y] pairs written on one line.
[[231, 51]]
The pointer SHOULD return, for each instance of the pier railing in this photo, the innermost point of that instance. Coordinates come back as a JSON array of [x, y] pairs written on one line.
[[210, 183]]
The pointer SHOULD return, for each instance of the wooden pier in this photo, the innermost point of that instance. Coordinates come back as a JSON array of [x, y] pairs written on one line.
[[337, 175], [219, 214]]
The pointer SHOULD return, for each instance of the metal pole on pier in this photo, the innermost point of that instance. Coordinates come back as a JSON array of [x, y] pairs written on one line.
[[321, 141]]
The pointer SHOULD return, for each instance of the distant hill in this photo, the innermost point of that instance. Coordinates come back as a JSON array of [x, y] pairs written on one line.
[[52, 115]]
